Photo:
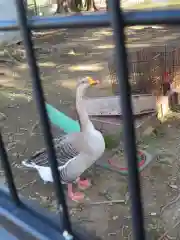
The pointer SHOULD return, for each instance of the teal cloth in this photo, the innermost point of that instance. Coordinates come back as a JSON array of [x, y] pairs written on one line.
[[61, 120]]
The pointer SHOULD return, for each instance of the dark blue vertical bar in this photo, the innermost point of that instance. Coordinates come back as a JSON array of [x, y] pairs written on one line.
[[8, 173], [129, 133], [40, 102]]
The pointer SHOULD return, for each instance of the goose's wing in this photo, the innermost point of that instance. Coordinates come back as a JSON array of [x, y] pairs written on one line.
[[66, 147]]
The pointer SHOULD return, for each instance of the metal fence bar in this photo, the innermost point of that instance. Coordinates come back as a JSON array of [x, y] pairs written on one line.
[[97, 20], [40, 102], [128, 122], [37, 22], [8, 172]]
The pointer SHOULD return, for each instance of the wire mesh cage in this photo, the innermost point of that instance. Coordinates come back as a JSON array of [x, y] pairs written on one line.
[[118, 19], [149, 69]]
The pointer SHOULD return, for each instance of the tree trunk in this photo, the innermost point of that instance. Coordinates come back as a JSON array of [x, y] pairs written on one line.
[[94, 6], [75, 5], [68, 5], [107, 7], [90, 5], [62, 6]]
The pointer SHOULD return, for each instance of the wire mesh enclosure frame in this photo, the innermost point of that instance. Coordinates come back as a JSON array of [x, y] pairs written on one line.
[[119, 20], [149, 69]]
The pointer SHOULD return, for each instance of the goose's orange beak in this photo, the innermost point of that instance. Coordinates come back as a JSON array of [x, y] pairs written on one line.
[[93, 81]]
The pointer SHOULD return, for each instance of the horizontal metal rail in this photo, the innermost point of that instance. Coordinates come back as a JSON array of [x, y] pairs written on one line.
[[97, 20], [34, 220]]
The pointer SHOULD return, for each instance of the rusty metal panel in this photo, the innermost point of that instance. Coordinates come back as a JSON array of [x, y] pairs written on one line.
[[109, 106]]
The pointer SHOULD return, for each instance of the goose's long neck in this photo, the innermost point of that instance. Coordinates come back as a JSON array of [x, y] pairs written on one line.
[[85, 123]]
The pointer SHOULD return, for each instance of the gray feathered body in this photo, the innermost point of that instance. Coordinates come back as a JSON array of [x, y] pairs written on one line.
[[75, 153]]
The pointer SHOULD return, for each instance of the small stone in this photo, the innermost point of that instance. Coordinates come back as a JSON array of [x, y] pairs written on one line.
[[153, 214], [67, 236], [114, 218], [148, 131], [173, 186], [2, 116], [112, 234]]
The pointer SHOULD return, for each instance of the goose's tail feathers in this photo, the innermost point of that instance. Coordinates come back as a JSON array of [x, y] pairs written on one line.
[[29, 164]]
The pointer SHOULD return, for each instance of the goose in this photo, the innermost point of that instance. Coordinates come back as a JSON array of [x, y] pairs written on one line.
[[75, 152]]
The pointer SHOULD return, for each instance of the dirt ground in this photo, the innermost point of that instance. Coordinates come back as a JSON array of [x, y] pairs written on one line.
[[69, 55]]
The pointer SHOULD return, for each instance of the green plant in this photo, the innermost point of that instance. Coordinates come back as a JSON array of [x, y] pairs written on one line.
[[112, 140]]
